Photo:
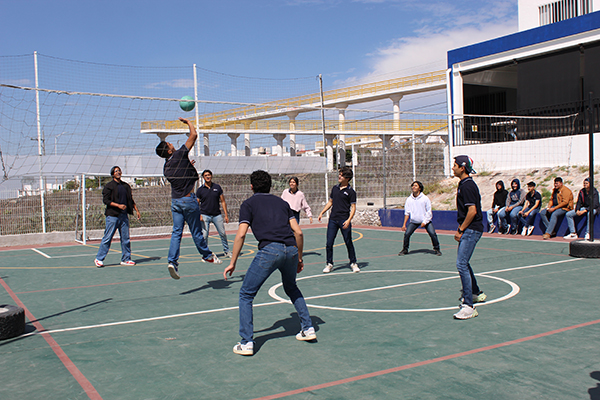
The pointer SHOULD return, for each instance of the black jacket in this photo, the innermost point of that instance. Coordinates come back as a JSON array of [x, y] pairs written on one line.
[[583, 200], [110, 193]]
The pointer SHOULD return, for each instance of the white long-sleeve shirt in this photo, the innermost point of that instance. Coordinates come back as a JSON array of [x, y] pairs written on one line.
[[419, 209]]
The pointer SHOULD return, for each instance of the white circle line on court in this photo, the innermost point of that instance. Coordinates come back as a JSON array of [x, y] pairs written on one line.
[[515, 289]]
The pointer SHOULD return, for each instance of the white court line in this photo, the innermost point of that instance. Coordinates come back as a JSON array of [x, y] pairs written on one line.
[[277, 302], [41, 252]]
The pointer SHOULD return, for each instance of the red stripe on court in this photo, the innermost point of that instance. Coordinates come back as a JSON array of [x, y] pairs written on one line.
[[62, 356], [426, 362]]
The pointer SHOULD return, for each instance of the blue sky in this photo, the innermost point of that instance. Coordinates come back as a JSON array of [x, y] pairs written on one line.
[[346, 41]]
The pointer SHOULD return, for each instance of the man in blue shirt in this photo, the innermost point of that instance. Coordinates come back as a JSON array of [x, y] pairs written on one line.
[[210, 196], [280, 244], [470, 229], [342, 202], [182, 175]]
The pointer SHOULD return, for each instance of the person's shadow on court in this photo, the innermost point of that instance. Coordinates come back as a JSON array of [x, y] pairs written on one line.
[[595, 391], [218, 284], [291, 326]]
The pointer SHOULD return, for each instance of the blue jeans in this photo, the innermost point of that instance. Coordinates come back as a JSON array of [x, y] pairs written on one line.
[[274, 256], [490, 215], [186, 209], [410, 229], [554, 216], [112, 224], [332, 228], [528, 220], [466, 246], [571, 221], [217, 221], [513, 215]]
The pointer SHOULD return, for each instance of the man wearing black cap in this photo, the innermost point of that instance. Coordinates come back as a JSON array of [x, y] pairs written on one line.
[[470, 229], [119, 202]]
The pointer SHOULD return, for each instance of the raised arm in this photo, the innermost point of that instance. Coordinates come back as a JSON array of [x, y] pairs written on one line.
[[189, 143]]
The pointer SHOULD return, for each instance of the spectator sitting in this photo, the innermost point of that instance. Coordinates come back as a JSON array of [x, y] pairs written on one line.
[[514, 204], [582, 209], [528, 213], [560, 202], [498, 203]]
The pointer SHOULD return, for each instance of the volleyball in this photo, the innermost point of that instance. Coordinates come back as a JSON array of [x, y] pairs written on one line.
[[186, 104]]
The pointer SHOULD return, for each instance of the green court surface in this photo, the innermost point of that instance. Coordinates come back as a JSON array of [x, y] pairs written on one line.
[[384, 333]]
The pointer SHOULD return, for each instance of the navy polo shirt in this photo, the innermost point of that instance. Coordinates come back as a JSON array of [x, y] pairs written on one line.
[[468, 195], [341, 201], [210, 203], [181, 173], [531, 199], [269, 217]]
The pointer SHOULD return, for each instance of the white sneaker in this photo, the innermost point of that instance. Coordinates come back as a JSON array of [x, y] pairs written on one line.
[[244, 349], [492, 228], [570, 236], [128, 263], [328, 268], [308, 334], [98, 263], [524, 231], [354, 267], [587, 236], [479, 298], [466, 312], [212, 259], [507, 230], [530, 230], [173, 271], [227, 254]]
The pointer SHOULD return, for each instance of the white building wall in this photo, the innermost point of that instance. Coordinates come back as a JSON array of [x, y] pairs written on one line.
[[530, 15]]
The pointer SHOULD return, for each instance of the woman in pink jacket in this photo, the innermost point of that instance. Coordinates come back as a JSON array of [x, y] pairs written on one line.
[[296, 199]]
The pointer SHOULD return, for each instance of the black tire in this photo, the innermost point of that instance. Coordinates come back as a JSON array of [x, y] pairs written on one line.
[[12, 321], [584, 249]]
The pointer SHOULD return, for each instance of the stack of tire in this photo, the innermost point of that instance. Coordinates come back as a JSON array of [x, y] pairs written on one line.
[[12, 321], [584, 249]]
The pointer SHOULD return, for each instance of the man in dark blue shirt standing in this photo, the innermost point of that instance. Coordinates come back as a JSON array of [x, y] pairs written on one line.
[[470, 229], [342, 202], [182, 175], [280, 244], [210, 196]]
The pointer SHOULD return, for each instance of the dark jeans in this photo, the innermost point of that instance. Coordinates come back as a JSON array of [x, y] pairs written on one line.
[[332, 229], [466, 247], [410, 229]]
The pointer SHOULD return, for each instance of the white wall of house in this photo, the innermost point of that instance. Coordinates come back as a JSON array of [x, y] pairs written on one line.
[[534, 13]]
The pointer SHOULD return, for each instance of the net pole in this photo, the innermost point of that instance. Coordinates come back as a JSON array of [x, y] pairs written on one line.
[[83, 211], [414, 168], [323, 128], [39, 139], [591, 156], [197, 151], [384, 173]]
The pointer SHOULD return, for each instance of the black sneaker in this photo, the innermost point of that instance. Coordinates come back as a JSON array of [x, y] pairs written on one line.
[[437, 252], [403, 252]]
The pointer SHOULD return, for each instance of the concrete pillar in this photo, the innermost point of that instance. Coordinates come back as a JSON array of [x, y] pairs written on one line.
[[396, 100], [206, 145], [329, 151], [233, 137], [247, 149], [292, 116], [341, 156], [279, 137]]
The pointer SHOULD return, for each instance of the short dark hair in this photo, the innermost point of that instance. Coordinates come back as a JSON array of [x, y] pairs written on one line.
[[418, 183], [532, 183], [295, 179], [112, 170], [260, 181], [558, 179], [162, 150], [205, 171], [346, 172]]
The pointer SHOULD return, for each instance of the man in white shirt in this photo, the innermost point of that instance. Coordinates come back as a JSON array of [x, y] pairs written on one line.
[[418, 209]]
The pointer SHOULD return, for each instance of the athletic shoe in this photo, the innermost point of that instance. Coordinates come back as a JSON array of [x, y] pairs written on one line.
[[524, 231], [437, 252], [212, 259], [492, 228], [174, 271], [227, 254], [308, 334], [507, 232], [466, 312], [479, 298], [244, 349], [570, 236], [98, 263], [403, 252], [128, 263], [530, 230], [587, 236], [546, 236], [328, 268], [354, 267]]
